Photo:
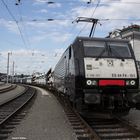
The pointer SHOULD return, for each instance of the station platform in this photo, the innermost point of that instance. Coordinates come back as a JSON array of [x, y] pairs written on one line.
[[4, 85], [45, 120], [6, 96]]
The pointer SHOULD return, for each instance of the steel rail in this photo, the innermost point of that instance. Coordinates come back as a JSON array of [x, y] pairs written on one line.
[[113, 128], [131, 128], [9, 109], [82, 130]]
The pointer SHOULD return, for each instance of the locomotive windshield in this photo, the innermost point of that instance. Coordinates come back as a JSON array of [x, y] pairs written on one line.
[[93, 48], [102, 49], [121, 50]]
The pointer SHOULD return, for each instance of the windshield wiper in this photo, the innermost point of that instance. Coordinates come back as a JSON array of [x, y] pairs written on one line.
[[102, 52], [116, 54]]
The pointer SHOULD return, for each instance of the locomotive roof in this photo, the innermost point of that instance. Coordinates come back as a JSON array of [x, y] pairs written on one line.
[[99, 39]]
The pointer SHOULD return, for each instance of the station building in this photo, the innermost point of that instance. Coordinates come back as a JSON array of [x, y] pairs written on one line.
[[131, 33]]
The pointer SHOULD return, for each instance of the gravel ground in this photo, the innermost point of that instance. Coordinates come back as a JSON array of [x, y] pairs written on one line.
[[134, 118], [45, 120]]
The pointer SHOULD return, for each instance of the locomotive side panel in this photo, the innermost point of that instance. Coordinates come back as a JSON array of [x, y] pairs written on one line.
[[59, 75], [64, 74], [70, 75]]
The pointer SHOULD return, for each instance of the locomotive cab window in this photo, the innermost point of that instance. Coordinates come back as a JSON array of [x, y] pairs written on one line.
[[94, 48], [119, 50]]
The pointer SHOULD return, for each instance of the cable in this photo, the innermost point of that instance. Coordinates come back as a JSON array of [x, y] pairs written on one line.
[[21, 19], [68, 1], [89, 2], [95, 8], [137, 3], [91, 17], [9, 11], [100, 19], [73, 25], [13, 17], [122, 19]]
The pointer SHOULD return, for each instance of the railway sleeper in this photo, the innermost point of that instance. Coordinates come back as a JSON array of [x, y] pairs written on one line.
[[3, 136], [74, 121], [106, 126], [79, 130], [117, 136], [76, 124], [8, 126], [103, 123], [5, 131], [79, 127], [83, 137], [111, 130], [81, 133]]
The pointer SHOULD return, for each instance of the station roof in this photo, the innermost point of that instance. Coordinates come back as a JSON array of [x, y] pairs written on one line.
[[131, 28]]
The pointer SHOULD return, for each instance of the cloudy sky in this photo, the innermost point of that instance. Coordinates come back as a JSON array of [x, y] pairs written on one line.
[[36, 42]]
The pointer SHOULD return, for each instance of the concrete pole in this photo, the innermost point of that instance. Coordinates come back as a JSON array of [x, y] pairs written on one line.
[[13, 71], [8, 67]]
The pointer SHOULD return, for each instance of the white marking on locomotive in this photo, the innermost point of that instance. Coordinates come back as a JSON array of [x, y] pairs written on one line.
[[110, 68]]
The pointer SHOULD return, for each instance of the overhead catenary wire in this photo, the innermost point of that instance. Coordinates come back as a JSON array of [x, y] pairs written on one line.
[[101, 19], [51, 19], [22, 22], [13, 17], [90, 1], [91, 17], [62, 20], [72, 19], [51, 2]]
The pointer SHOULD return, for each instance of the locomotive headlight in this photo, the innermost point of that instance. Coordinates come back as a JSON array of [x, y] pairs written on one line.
[[94, 82], [132, 82], [89, 82]]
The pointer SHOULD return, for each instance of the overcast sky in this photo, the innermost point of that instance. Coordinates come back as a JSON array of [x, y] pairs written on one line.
[[36, 44]]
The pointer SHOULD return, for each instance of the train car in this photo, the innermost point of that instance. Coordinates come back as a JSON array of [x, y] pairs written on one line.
[[49, 79], [38, 78], [100, 73]]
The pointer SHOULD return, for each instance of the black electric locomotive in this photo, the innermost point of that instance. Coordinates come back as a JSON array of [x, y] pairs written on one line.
[[98, 72]]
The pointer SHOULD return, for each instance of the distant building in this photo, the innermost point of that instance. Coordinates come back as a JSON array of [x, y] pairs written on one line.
[[133, 34], [3, 77]]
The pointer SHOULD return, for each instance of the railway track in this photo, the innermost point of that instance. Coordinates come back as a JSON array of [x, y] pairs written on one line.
[[98, 127], [113, 128], [81, 128], [10, 109]]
